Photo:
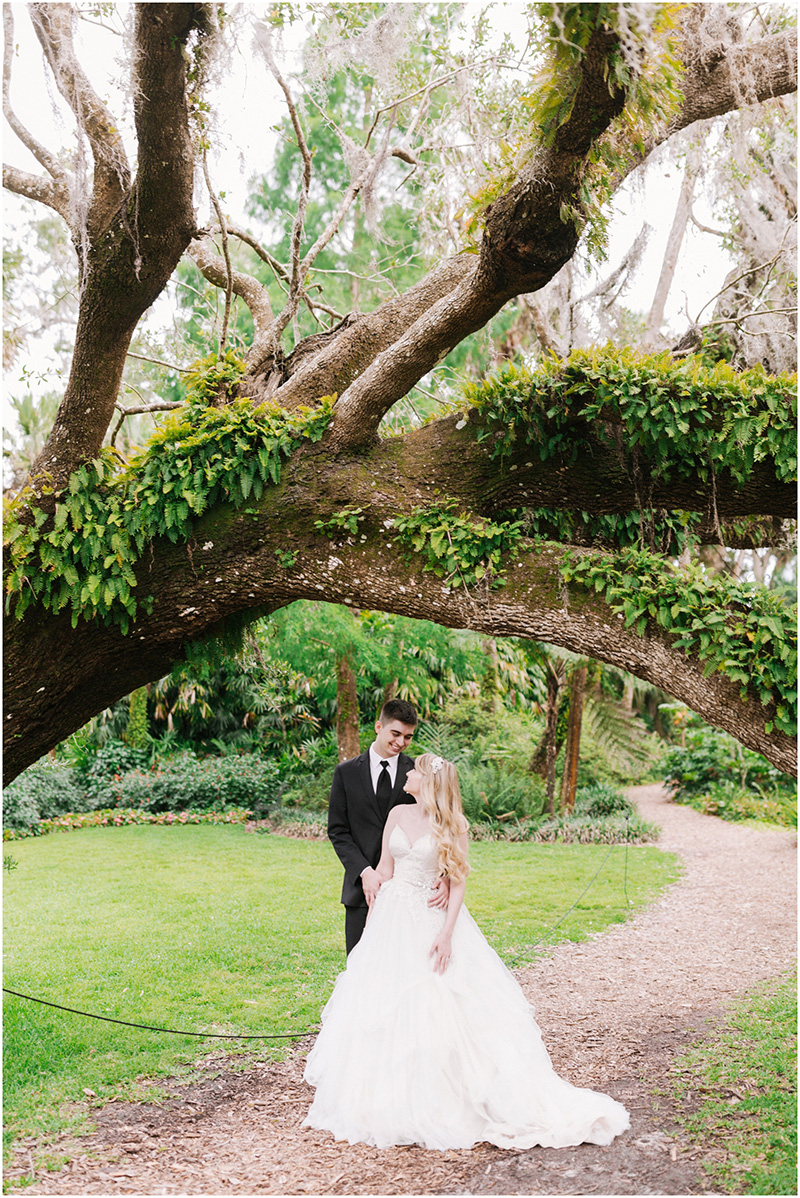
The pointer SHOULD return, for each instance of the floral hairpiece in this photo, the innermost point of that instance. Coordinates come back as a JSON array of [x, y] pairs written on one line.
[[436, 765]]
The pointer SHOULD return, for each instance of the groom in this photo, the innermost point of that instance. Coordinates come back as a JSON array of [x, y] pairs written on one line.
[[364, 790]]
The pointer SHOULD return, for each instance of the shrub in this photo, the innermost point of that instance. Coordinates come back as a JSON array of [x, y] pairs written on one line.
[[307, 793], [733, 802], [710, 756], [714, 774], [110, 761], [43, 791], [118, 817], [491, 793], [185, 781], [611, 829], [601, 798]]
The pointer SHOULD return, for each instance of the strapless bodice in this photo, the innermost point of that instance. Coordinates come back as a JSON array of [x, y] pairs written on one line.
[[415, 864]]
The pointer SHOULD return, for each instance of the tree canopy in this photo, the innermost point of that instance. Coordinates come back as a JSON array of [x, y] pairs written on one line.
[[560, 498]]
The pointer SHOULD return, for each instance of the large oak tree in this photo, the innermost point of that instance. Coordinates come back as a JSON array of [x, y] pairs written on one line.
[[136, 220]]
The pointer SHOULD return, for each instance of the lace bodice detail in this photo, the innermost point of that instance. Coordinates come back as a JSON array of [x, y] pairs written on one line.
[[415, 865]]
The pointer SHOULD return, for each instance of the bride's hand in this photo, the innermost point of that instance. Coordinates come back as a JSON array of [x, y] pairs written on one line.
[[440, 952]]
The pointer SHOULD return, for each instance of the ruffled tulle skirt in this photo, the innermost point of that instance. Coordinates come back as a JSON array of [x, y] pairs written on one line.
[[409, 1056]]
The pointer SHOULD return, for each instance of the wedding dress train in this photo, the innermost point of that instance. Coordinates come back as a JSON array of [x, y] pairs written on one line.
[[410, 1056]]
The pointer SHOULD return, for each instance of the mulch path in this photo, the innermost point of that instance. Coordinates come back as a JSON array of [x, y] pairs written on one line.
[[614, 1010]]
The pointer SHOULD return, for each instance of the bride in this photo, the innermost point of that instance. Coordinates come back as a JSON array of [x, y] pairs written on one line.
[[427, 1038]]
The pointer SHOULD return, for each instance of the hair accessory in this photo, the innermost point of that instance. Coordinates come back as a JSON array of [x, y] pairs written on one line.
[[436, 765]]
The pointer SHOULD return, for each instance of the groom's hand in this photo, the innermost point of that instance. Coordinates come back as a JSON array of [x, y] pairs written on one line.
[[441, 895], [371, 883]]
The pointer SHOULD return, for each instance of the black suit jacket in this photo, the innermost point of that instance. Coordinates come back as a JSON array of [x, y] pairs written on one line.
[[355, 822]]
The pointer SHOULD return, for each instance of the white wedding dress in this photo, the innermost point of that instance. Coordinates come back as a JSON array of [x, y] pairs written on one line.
[[410, 1056]]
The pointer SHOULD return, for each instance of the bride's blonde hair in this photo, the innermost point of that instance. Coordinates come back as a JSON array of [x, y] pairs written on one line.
[[441, 797]]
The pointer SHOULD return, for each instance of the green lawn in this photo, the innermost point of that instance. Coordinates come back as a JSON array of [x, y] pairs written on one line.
[[746, 1078], [208, 928]]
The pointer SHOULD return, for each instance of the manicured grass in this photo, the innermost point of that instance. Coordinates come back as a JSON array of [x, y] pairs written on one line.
[[746, 1078], [517, 892], [208, 928]]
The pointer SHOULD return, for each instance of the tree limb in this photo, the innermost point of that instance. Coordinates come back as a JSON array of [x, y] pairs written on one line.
[[91, 667], [40, 153], [254, 294], [38, 187], [53, 24], [129, 265]]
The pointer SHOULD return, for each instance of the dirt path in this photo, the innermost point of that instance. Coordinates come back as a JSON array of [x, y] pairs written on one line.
[[614, 1012]]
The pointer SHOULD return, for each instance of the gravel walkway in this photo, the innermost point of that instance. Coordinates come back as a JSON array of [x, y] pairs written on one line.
[[614, 1012]]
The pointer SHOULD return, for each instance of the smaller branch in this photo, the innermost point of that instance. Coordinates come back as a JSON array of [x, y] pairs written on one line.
[[264, 42], [351, 274], [419, 92], [751, 271], [750, 315], [254, 294], [363, 180], [705, 228], [279, 270], [314, 304], [225, 253], [166, 406], [158, 362], [40, 153], [37, 187]]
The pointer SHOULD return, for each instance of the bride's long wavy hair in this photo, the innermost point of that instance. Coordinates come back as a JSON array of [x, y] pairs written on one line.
[[441, 797]]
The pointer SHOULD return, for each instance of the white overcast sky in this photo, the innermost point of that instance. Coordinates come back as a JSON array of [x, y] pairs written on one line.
[[248, 103]]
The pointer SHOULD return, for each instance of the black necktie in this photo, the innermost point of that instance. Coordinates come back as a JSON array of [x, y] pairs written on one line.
[[383, 790]]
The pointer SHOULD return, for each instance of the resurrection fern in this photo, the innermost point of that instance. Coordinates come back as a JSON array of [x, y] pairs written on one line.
[[661, 531], [743, 631], [460, 550], [684, 419], [345, 521], [83, 556]]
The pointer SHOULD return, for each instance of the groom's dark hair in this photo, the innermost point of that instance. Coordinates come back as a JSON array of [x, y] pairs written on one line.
[[398, 709]]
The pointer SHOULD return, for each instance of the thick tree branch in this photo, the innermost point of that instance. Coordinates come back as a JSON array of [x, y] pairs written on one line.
[[328, 367], [719, 81], [232, 566], [734, 75], [525, 243], [442, 459]]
